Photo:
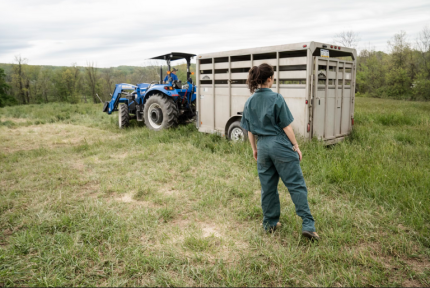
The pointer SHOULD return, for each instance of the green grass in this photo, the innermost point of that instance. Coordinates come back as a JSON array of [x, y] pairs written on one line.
[[83, 203]]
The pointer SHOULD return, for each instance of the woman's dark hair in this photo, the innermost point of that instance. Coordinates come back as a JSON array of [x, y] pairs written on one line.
[[258, 76]]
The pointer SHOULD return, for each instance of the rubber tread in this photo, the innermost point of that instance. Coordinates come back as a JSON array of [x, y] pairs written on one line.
[[125, 116], [169, 109]]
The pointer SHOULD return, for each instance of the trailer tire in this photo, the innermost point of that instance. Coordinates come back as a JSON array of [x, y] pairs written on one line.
[[160, 112], [237, 133], [123, 116]]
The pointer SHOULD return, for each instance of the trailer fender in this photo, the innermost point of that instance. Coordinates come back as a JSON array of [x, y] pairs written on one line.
[[229, 122]]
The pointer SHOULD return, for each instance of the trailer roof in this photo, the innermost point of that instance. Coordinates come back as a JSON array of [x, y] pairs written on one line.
[[285, 47], [174, 56]]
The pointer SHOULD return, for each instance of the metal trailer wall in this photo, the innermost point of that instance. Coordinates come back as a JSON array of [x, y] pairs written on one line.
[[222, 90]]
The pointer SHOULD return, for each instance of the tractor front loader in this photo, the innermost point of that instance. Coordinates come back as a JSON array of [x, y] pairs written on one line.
[[160, 105]]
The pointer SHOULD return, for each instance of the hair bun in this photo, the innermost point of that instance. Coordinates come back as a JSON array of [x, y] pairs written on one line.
[[258, 76]]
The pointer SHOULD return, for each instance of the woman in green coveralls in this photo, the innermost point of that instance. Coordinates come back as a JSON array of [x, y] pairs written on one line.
[[277, 153]]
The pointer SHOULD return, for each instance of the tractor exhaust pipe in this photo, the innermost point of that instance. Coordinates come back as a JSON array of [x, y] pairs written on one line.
[[161, 74]]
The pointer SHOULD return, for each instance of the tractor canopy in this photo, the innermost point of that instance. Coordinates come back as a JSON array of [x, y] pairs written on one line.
[[173, 56]]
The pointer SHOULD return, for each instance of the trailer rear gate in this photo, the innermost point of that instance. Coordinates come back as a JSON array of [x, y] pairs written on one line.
[[333, 98], [302, 78]]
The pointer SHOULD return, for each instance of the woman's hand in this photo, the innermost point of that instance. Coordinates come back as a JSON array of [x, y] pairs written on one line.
[[299, 152], [255, 154]]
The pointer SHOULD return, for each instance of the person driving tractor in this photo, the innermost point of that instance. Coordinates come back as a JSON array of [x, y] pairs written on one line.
[[172, 74]]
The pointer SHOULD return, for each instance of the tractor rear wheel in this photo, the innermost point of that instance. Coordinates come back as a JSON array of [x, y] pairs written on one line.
[[123, 116], [160, 112]]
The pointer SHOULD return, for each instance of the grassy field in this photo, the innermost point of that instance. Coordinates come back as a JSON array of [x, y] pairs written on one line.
[[83, 203]]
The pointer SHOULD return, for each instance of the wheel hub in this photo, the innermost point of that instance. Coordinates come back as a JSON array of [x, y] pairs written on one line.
[[237, 134], [157, 115]]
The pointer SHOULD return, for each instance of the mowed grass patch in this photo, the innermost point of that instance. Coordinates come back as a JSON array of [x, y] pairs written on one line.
[[182, 208]]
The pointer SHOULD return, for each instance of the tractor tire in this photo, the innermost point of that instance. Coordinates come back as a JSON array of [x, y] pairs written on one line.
[[106, 107], [160, 112], [123, 116], [237, 133]]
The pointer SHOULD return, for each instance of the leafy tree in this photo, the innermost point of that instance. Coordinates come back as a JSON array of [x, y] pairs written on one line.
[[423, 49], [44, 81], [108, 84], [5, 98], [398, 82], [371, 72], [32, 86], [421, 87], [20, 81], [400, 48], [92, 79]]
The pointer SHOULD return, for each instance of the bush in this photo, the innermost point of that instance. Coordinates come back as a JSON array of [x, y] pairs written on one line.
[[421, 88], [398, 82], [5, 99]]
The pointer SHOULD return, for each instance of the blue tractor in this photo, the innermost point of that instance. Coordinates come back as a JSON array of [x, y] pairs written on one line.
[[160, 105]]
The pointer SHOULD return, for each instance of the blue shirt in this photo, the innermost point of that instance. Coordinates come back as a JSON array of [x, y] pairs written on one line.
[[174, 77], [266, 113]]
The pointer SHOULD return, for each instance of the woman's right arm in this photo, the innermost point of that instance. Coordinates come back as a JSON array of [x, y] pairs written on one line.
[[290, 134]]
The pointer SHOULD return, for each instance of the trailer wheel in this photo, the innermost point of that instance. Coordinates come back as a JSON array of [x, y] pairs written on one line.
[[123, 116], [160, 112], [236, 133]]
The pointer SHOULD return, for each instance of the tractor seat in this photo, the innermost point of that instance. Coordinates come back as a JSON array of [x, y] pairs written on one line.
[[177, 84]]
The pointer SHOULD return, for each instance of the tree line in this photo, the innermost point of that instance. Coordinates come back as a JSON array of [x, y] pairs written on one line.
[[402, 73], [21, 83]]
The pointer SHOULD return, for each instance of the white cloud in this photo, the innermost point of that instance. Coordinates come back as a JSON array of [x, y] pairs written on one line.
[[113, 33]]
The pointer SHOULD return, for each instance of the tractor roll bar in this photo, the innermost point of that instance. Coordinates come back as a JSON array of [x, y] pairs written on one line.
[[173, 56]]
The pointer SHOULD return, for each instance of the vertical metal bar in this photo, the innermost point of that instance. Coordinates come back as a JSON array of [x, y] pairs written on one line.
[[252, 60], [188, 67], [277, 72], [213, 91], [342, 95], [336, 133], [352, 102], [199, 110], [230, 100], [325, 100], [310, 98], [316, 59], [343, 86]]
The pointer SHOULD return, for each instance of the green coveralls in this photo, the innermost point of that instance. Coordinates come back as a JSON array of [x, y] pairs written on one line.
[[266, 114]]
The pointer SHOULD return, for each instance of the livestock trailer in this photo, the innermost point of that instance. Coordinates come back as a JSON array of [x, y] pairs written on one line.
[[317, 81]]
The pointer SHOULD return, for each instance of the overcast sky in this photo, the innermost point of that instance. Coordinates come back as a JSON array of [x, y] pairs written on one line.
[[113, 33]]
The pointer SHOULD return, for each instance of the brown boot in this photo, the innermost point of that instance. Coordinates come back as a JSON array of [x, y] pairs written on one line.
[[313, 236]]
